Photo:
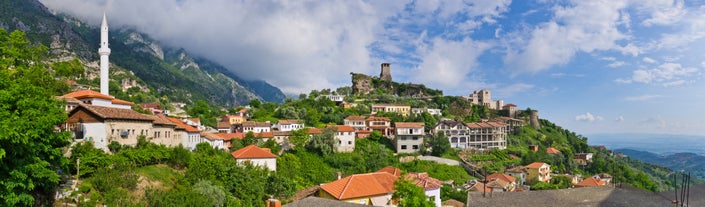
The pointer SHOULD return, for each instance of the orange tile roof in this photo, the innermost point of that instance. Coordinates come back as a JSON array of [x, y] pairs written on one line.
[[409, 124], [113, 113], [197, 120], [264, 135], [87, 94], [361, 185], [552, 150], [535, 165], [341, 128], [314, 130], [211, 136], [223, 125], [374, 118], [253, 151], [590, 182], [163, 120], [479, 187], [423, 180], [255, 124], [288, 121], [504, 177], [122, 102], [360, 118], [391, 170], [230, 136], [484, 125], [182, 125]]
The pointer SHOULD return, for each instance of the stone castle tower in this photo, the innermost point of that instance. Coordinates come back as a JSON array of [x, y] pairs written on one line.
[[386, 74]]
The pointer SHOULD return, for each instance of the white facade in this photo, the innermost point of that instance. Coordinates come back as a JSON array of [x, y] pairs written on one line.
[[190, 139], [104, 52], [95, 133], [289, 126], [269, 163], [435, 194], [357, 123], [346, 141], [215, 144]]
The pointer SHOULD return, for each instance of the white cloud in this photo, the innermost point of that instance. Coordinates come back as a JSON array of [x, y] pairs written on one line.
[[616, 64], [648, 60], [667, 74], [642, 97], [582, 26], [664, 12], [619, 119], [588, 117], [447, 63]]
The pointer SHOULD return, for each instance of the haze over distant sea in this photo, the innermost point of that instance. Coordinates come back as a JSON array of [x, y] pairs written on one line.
[[662, 144]]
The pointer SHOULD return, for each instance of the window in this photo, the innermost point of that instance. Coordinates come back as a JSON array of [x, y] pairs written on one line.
[[403, 138], [415, 138], [416, 147], [403, 147], [350, 142]]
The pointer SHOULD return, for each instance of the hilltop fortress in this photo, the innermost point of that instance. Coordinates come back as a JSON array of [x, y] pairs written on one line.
[[364, 84]]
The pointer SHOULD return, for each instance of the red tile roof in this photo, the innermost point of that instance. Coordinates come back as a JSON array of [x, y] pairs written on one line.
[[423, 180], [223, 125], [360, 118], [374, 118], [535, 165], [341, 128], [122, 102], [255, 124], [504, 177], [409, 124], [163, 120], [114, 113], [289, 121], [251, 152], [211, 136], [88, 94], [361, 185], [182, 125], [230, 136], [552, 150], [314, 130], [391, 170], [590, 182]]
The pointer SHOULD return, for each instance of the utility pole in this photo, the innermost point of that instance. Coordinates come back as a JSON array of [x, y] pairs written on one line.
[[78, 169]]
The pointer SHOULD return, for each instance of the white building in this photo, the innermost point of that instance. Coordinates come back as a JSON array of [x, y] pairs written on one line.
[[482, 135], [214, 141], [256, 127], [431, 186], [345, 136], [356, 122], [433, 112], [289, 125], [484, 97], [101, 125], [256, 156], [409, 136], [190, 136]]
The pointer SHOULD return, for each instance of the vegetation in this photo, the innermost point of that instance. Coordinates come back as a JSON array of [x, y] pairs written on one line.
[[410, 195]]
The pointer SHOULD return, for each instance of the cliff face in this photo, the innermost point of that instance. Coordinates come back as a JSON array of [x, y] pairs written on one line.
[[364, 84], [361, 84]]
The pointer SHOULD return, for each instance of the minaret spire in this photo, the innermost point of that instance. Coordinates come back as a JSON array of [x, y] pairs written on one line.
[[104, 52]]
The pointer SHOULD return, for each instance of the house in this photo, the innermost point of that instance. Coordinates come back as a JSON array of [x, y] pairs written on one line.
[[552, 151], [281, 136], [511, 124], [401, 109], [224, 127], [345, 136], [190, 136], [479, 187], [511, 110], [587, 157], [356, 122], [590, 182], [194, 122], [256, 156], [431, 186], [320, 202], [481, 135], [505, 182], [433, 112], [604, 177], [289, 125], [163, 131], [367, 189], [228, 137], [391, 170], [215, 141], [101, 125], [517, 172], [154, 108], [256, 127], [94, 98], [409, 137], [539, 171], [380, 124], [334, 98], [234, 119]]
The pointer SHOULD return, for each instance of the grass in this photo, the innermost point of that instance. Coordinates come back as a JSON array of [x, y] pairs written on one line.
[[162, 173]]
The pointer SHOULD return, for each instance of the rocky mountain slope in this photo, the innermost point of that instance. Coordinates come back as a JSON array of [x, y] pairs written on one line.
[[171, 72]]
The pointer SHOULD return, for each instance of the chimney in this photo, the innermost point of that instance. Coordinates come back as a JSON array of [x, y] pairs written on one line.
[[272, 203], [339, 175]]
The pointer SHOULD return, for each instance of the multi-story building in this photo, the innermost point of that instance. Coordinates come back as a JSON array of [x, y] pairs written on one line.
[[345, 136], [380, 124], [434, 112], [356, 122], [409, 136], [538, 171], [289, 125], [484, 97], [256, 127], [101, 125], [404, 110], [481, 135]]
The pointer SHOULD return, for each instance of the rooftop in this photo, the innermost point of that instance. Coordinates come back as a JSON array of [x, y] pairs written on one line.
[[597, 196], [409, 125], [251, 152], [114, 113], [535, 165], [361, 185]]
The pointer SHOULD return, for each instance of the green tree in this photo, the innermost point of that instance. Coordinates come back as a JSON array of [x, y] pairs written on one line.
[[439, 144], [30, 149], [410, 195], [323, 143], [255, 103], [215, 194], [299, 138], [69, 69], [273, 146]]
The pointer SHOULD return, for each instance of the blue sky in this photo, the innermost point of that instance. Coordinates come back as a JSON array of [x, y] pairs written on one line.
[[614, 66]]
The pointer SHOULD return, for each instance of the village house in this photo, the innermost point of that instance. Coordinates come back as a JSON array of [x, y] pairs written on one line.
[[409, 137], [190, 136], [194, 122], [433, 112], [380, 124], [482, 135], [345, 136], [501, 182], [154, 108], [289, 125], [431, 186], [94, 98], [256, 127], [234, 119], [228, 137], [356, 122], [224, 127], [538, 171], [374, 189], [552, 151], [511, 124], [334, 98], [590, 182], [163, 131], [517, 172], [215, 141], [101, 125], [256, 156], [604, 177], [511, 110], [403, 110]]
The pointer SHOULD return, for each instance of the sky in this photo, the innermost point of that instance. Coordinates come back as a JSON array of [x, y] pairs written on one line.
[[612, 66]]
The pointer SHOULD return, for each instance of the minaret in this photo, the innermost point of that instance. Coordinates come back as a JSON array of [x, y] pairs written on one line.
[[104, 52]]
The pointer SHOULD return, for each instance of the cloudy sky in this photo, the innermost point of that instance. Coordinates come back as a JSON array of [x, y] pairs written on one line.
[[591, 66]]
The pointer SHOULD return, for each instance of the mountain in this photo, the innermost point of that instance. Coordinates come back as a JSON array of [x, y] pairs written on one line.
[[687, 162], [171, 72]]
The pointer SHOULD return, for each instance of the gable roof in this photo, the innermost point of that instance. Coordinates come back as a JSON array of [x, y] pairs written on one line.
[[87, 94], [391, 170], [211, 137], [357, 118], [552, 150], [375, 118], [341, 128], [361, 185], [480, 187], [503, 177], [288, 121], [113, 113], [253, 151], [162, 120], [314, 130], [590, 182], [230, 136], [255, 124], [182, 125], [409, 124], [223, 125], [535, 165], [121, 102], [423, 180]]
